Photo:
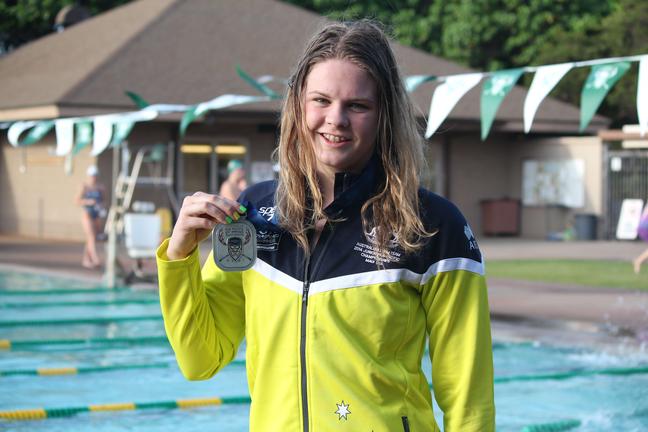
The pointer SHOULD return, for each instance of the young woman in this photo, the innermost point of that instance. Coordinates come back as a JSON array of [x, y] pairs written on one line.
[[357, 266], [90, 198]]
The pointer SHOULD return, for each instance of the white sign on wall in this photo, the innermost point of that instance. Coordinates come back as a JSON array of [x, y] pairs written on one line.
[[554, 182], [629, 219]]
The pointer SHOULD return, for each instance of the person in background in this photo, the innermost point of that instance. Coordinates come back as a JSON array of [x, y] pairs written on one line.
[[235, 182], [90, 198], [358, 268], [642, 232]]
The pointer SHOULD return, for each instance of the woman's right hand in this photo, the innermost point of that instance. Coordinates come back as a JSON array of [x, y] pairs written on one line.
[[199, 214]]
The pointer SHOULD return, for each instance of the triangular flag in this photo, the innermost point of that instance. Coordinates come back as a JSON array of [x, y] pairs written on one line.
[[642, 95], [493, 93], [599, 82], [83, 131], [139, 100], [103, 129], [414, 81], [545, 79], [64, 136], [256, 84], [220, 102], [446, 97], [16, 129], [38, 132], [122, 129]]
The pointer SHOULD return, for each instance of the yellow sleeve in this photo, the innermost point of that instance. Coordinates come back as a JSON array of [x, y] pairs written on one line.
[[458, 322], [204, 313]]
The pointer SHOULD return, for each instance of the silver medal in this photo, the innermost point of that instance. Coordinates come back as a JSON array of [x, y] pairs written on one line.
[[234, 245]]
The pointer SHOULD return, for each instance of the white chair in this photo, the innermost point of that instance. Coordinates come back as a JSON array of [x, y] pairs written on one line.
[[142, 237]]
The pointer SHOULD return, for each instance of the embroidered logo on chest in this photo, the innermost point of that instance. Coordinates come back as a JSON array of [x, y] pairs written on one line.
[[268, 240]]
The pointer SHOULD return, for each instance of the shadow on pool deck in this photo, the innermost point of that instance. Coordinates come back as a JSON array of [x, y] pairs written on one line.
[[521, 309]]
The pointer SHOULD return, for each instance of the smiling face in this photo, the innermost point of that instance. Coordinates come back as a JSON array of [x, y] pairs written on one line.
[[341, 108]]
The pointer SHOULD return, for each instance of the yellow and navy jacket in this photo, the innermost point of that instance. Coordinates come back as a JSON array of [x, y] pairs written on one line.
[[335, 342]]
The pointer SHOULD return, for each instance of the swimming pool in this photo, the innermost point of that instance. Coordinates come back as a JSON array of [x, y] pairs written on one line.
[[115, 340]]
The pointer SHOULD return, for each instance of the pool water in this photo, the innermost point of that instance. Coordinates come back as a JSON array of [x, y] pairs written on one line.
[[144, 370]]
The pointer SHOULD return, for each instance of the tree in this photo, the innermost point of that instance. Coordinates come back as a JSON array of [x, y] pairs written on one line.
[[622, 33], [483, 34], [498, 34], [24, 20]]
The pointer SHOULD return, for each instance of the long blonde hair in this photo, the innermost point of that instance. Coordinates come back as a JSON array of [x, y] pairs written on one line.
[[394, 209]]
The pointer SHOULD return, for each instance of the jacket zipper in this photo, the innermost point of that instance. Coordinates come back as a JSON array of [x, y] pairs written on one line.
[[302, 343], [406, 427]]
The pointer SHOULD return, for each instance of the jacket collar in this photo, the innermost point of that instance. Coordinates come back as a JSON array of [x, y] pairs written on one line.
[[352, 190]]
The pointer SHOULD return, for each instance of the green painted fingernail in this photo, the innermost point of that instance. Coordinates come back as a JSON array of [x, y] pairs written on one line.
[[242, 209], [228, 219]]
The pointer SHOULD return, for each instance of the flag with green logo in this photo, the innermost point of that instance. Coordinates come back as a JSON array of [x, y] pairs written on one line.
[[83, 132], [493, 93], [599, 82]]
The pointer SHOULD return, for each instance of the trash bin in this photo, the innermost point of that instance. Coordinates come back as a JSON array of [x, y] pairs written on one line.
[[585, 226], [500, 216]]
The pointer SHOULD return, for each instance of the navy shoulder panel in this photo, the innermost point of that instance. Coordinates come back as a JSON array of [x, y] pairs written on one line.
[[454, 237], [260, 193]]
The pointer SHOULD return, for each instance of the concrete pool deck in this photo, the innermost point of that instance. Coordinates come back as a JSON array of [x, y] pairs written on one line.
[[521, 309]]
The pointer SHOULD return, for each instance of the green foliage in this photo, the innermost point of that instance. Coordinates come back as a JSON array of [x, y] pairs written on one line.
[[499, 34], [24, 20], [483, 34], [622, 33]]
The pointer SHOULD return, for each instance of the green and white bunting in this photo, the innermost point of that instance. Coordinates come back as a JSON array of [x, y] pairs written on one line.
[[16, 129], [121, 131], [642, 95], [446, 97], [83, 132], [107, 130], [64, 136], [414, 81], [544, 80], [599, 82], [220, 102], [494, 91], [37, 130], [257, 85], [102, 133]]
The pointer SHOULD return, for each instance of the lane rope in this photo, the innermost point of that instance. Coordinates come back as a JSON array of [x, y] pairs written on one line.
[[573, 374], [105, 343], [76, 321], [94, 290], [558, 426], [57, 371], [41, 413], [78, 303]]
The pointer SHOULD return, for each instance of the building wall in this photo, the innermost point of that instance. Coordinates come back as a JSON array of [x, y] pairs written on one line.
[[477, 171], [492, 169], [38, 197], [538, 221]]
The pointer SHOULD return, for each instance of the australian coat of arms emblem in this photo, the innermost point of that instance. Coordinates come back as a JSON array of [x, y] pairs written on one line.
[[234, 245]]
